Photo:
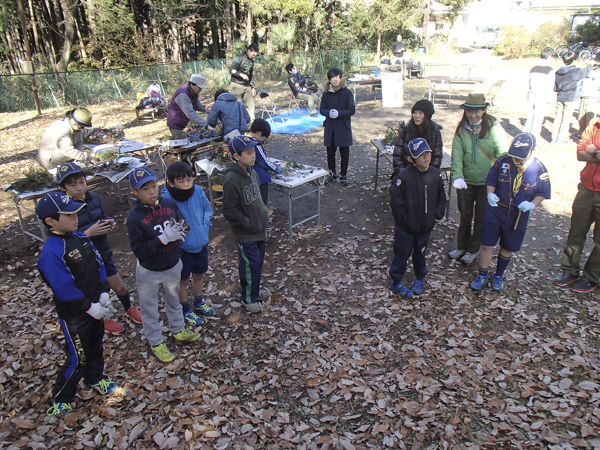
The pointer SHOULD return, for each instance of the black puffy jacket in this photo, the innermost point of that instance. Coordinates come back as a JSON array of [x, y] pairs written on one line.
[[409, 132]]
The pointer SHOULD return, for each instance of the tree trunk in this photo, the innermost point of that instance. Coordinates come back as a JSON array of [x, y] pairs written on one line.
[[426, 25], [229, 34], [65, 56], [379, 46], [248, 25], [214, 31]]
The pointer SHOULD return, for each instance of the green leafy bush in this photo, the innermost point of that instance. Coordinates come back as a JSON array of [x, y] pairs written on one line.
[[590, 31], [516, 39], [549, 34]]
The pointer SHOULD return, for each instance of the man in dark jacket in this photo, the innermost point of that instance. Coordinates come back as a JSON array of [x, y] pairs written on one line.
[[337, 105], [566, 84], [418, 199], [242, 84], [184, 104], [301, 90], [232, 113]]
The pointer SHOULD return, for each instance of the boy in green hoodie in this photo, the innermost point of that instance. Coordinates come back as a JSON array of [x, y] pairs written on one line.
[[247, 216]]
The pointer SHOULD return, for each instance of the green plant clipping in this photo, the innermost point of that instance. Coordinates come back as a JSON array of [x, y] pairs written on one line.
[[391, 135], [35, 179]]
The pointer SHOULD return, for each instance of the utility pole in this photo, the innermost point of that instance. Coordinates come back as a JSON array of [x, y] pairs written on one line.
[[29, 67]]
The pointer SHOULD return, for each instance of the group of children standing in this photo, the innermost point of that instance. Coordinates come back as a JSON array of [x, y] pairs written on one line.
[[168, 233]]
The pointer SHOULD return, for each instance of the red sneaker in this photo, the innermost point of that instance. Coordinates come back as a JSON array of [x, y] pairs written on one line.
[[134, 314], [112, 326]]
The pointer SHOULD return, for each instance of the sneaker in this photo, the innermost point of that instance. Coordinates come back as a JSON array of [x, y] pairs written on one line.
[[402, 290], [268, 241], [186, 335], [344, 180], [134, 314], [59, 408], [498, 284], [583, 285], [204, 309], [468, 258], [331, 178], [479, 282], [565, 279], [193, 319], [314, 115], [162, 353], [264, 293], [253, 307], [456, 254], [113, 327], [105, 387], [417, 287]]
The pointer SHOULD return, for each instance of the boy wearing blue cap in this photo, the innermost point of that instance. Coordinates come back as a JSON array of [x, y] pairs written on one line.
[[517, 183], [156, 228], [247, 215], [95, 224], [418, 199], [71, 266]]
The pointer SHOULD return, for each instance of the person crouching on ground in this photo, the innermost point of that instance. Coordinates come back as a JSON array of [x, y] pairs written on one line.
[[419, 125], [418, 199], [156, 229], [231, 112], [517, 183], [71, 266], [247, 215], [337, 105]]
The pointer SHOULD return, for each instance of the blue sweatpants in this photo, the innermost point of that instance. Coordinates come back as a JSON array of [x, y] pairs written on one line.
[[251, 259], [405, 244]]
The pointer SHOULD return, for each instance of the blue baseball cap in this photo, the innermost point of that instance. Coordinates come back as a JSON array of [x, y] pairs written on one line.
[[240, 143], [56, 202], [140, 176], [417, 147], [66, 169], [522, 145]]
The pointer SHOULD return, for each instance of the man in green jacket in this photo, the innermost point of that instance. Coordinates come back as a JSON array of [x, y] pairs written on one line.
[[242, 84]]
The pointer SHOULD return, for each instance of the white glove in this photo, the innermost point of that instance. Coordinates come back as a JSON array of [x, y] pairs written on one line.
[[526, 206], [333, 113], [99, 312], [493, 199], [172, 232], [459, 183], [107, 303]]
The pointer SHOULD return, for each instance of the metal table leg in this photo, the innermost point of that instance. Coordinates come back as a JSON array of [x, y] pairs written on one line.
[[291, 222]]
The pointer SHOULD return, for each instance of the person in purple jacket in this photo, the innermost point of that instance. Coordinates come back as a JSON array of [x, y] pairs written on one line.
[[184, 104]]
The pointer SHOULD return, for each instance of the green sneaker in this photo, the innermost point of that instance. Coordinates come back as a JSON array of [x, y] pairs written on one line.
[[186, 335], [193, 319], [253, 307], [162, 353], [264, 293], [59, 408], [105, 387], [204, 309]]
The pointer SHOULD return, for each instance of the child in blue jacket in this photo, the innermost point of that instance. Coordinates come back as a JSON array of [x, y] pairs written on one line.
[[95, 224], [197, 212], [260, 131], [71, 266]]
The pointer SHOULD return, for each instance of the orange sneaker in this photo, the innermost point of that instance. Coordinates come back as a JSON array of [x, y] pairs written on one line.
[[134, 314], [112, 326]]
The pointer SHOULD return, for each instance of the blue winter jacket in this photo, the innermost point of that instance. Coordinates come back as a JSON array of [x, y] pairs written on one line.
[[197, 213], [233, 114], [262, 166]]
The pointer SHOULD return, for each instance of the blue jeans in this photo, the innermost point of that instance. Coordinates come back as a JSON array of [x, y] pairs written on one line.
[[405, 244], [251, 259]]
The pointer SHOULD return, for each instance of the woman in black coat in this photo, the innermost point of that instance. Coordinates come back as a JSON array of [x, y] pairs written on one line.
[[337, 105], [420, 125]]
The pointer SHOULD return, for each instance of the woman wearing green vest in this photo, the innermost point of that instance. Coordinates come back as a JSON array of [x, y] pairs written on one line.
[[478, 141]]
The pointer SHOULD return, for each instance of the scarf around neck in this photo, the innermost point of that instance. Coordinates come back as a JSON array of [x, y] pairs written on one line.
[[180, 195]]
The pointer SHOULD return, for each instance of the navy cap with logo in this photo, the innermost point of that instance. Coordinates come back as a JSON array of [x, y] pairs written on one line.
[[240, 143], [418, 146], [56, 202], [140, 176], [66, 169], [522, 145]]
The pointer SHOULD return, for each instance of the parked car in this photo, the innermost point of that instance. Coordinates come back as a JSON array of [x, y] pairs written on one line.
[[485, 37]]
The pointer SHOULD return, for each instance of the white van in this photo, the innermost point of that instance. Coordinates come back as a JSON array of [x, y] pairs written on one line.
[[484, 37]]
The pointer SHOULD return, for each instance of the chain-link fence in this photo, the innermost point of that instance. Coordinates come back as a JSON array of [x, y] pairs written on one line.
[[89, 87]]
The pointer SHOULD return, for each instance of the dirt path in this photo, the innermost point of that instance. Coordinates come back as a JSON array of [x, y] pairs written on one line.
[[334, 360]]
